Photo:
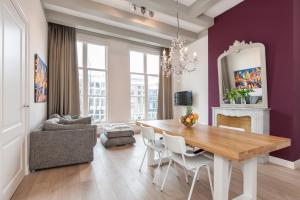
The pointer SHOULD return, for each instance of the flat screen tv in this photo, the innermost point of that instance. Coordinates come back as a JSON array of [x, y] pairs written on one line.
[[184, 98]]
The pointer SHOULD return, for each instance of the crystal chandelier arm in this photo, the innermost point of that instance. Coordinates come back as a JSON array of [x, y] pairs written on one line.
[[177, 15]]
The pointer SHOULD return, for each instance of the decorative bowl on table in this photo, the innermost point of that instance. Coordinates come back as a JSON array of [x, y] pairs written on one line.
[[190, 118]]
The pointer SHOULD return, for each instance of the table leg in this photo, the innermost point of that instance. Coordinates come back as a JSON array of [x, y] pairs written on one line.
[[250, 180], [221, 177]]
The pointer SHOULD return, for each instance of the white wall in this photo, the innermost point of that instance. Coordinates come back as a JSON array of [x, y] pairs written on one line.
[[196, 81], [37, 44], [119, 81]]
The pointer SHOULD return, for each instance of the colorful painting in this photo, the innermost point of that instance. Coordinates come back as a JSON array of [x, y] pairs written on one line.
[[40, 80], [248, 78]]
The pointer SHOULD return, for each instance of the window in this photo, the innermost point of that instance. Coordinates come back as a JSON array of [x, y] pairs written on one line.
[[144, 69], [92, 66]]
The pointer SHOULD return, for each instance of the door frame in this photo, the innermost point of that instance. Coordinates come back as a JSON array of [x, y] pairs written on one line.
[[25, 147]]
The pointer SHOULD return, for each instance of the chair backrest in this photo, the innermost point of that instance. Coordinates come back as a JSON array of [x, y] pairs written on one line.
[[175, 144], [148, 133]]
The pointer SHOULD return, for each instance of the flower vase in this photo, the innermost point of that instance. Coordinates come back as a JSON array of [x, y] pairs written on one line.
[[243, 100], [232, 101]]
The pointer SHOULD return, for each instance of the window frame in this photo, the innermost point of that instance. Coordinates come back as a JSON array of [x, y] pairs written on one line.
[[145, 51], [88, 39]]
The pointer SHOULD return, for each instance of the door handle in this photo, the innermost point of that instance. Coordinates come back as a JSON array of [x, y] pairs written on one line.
[[26, 106]]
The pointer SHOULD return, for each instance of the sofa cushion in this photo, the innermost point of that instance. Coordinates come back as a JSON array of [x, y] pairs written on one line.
[[70, 117], [110, 142], [53, 120], [67, 117], [84, 120], [116, 133]]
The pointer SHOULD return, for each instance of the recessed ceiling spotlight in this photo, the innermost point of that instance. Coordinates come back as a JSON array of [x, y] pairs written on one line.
[[151, 13], [143, 10]]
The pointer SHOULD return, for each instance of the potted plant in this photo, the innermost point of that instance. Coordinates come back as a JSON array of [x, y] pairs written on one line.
[[231, 95], [243, 94], [190, 118]]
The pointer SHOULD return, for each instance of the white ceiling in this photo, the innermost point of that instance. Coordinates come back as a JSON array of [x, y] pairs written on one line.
[[221, 7], [186, 2], [195, 16], [159, 16]]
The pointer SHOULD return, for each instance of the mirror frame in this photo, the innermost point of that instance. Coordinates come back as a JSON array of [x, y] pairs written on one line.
[[234, 48]]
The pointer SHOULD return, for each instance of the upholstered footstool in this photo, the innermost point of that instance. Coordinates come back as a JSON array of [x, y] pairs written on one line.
[[117, 136]]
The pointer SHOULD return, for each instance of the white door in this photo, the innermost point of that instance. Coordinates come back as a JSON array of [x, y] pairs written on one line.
[[12, 98]]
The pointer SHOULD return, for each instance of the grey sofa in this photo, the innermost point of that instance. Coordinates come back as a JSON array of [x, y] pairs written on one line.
[[62, 141]]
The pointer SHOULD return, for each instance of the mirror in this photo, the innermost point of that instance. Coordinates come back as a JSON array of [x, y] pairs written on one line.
[[242, 76]]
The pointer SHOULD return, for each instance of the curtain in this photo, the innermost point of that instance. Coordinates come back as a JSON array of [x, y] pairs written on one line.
[[63, 79], [165, 94]]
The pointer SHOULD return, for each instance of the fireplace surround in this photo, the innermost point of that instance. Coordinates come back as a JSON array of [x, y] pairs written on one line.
[[256, 120]]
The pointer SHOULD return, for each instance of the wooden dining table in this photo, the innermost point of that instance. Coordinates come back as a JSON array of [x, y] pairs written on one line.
[[227, 146]]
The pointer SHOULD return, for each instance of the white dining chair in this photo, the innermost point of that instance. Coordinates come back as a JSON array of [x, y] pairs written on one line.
[[176, 148], [154, 143]]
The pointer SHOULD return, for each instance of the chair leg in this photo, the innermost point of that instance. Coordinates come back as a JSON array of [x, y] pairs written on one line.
[[193, 184], [163, 184], [210, 181], [143, 159], [157, 169], [230, 173], [186, 176]]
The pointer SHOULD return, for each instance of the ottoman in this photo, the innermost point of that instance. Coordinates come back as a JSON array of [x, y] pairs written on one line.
[[117, 136]]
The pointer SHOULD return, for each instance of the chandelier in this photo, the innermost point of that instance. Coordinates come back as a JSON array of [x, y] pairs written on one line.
[[178, 61]]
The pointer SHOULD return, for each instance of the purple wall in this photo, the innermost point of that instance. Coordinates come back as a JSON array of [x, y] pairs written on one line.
[[296, 96], [271, 22]]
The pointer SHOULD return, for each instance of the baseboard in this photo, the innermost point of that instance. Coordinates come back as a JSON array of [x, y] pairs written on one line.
[[284, 163], [297, 164]]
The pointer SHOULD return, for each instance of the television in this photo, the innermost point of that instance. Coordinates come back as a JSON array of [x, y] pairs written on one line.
[[184, 98]]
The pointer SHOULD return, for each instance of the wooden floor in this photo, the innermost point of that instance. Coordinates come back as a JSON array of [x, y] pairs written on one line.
[[114, 175]]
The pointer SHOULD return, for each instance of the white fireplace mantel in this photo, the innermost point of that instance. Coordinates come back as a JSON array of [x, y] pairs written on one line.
[[260, 117], [260, 120]]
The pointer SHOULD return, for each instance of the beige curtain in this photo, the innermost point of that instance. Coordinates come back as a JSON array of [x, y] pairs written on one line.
[[165, 94], [63, 72]]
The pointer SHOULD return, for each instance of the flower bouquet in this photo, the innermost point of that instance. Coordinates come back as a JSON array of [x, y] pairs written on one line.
[[190, 118]]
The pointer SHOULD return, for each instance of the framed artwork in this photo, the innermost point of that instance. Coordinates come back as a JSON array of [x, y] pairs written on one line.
[[40, 80], [249, 78]]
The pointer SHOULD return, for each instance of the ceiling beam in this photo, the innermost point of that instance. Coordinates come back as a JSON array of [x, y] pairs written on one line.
[[101, 28], [169, 7], [109, 15], [199, 7]]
